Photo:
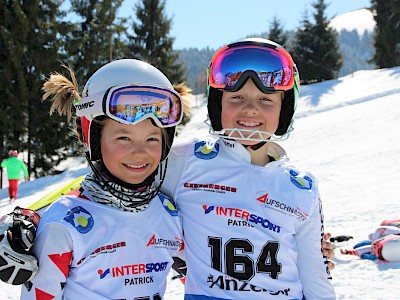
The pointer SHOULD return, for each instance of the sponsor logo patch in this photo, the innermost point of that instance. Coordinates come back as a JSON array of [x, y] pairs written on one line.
[[106, 249], [210, 187], [251, 219], [227, 283], [134, 269], [152, 241], [302, 182], [80, 219], [204, 150], [281, 207], [168, 204]]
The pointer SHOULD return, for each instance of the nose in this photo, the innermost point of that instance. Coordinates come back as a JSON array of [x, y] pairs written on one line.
[[137, 148], [250, 108]]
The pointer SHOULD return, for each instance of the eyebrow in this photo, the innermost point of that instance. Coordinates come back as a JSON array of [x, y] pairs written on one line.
[[125, 131]]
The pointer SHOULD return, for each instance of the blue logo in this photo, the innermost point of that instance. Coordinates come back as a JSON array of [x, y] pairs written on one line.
[[209, 209], [304, 183], [169, 205], [204, 150], [80, 218], [103, 273]]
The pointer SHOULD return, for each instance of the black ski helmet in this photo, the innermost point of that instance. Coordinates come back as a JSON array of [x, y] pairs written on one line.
[[214, 95]]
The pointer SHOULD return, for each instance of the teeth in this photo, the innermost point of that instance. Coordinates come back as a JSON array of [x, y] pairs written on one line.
[[135, 166], [249, 124]]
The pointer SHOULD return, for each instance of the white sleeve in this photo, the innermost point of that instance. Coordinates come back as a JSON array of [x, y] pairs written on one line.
[[176, 159], [313, 270], [53, 249]]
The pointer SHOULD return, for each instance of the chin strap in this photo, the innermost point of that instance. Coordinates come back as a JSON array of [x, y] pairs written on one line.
[[255, 146], [247, 134]]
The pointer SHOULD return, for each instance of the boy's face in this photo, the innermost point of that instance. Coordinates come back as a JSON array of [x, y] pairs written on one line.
[[131, 152], [251, 109]]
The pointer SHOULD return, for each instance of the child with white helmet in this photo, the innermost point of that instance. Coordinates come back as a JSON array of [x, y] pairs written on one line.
[[253, 222], [115, 238]]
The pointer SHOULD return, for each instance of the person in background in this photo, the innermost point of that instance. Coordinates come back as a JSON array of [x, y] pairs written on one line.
[[14, 167], [383, 244]]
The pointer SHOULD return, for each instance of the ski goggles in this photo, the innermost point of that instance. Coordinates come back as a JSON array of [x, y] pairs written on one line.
[[270, 67], [131, 104]]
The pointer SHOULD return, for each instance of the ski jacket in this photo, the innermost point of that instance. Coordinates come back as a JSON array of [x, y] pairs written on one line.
[[383, 244], [14, 167], [87, 250], [250, 232], [386, 227]]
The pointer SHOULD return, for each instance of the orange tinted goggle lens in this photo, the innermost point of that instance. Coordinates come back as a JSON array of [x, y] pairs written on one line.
[[130, 104], [273, 67]]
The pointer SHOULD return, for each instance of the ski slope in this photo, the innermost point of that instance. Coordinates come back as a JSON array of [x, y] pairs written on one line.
[[346, 133]]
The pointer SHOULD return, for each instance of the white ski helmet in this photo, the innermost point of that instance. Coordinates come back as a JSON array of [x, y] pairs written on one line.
[[119, 73], [240, 65]]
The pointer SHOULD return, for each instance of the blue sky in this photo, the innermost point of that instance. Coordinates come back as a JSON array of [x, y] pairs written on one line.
[[213, 23]]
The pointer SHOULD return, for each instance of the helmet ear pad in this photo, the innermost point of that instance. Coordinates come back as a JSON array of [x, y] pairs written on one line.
[[166, 145], [214, 108], [95, 139], [287, 112]]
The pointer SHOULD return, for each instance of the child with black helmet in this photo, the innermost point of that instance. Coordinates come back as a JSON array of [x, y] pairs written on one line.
[[116, 237], [252, 221]]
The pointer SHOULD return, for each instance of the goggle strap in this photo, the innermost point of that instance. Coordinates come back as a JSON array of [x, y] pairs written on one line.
[[257, 81], [89, 105]]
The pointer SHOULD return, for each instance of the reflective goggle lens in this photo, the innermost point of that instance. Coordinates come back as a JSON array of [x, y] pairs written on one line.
[[130, 104], [273, 67]]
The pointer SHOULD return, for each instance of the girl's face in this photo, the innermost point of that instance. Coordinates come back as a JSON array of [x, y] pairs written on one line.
[[131, 152], [251, 109]]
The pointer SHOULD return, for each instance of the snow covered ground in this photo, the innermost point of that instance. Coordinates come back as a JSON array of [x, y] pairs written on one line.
[[346, 133]]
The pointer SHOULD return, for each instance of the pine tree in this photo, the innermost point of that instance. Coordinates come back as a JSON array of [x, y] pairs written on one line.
[[316, 49], [152, 42], [29, 38], [302, 52], [197, 62], [97, 37], [277, 32], [387, 33]]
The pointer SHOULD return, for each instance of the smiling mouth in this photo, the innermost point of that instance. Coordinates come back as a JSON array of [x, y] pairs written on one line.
[[249, 123], [137, 167]]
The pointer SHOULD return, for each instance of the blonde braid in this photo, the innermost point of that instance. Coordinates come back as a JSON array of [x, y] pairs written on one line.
[[62, 92], [186, 95]]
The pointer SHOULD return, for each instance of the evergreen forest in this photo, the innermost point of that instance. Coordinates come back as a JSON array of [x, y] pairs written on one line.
[[36, 37]]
